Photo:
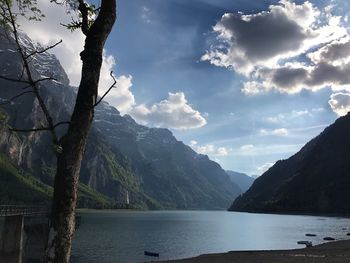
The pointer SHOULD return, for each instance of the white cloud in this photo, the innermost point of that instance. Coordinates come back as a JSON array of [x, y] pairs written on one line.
[[266, 149], [276, 132], [253, 87], [146, 14], [222, 151], [50, 31], [210, 149], [280, 132], [340, 103], [247, 149], [285, 117], [300, 113], [266, 48], [263, 168], [174, 112], [275, 119], [318, 109], [193, 143], [264, 132], [121, 96]]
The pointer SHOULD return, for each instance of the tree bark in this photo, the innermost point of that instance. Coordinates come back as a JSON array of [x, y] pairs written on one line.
[[62, 224]]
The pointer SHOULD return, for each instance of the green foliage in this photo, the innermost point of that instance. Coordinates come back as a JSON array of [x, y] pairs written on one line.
[[27, 8], [19, 187], [89, 198], [57, 148], [3, 116], [77, 23]]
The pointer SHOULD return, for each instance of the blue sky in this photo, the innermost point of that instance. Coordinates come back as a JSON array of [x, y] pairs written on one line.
[[241, 88]]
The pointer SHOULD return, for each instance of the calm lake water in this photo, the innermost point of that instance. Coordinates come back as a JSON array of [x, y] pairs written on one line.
[[123, 236]]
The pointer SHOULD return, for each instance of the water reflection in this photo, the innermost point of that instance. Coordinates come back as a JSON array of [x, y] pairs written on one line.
[[123, 236]]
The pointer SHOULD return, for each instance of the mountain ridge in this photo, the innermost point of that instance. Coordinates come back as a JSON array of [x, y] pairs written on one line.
[[314, 180], [243, 180], [124, 161]]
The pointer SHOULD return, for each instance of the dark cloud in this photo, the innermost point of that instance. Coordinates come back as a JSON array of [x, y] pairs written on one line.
[[267, 48], [264, 35], [294, 78], [336, 51], [325, 73], [332, 52], [285, 31], [285, 77]]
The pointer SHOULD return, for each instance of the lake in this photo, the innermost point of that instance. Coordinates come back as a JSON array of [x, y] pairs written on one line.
[[123, 236]]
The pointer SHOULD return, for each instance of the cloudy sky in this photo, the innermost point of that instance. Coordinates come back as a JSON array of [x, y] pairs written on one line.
[[246, 82]]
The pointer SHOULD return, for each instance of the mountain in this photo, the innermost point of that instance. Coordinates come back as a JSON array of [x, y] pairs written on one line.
[[242, 180], [315, 180], [125, 164]]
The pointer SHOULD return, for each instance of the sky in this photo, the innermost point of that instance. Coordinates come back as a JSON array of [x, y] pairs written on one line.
[[245, 82]]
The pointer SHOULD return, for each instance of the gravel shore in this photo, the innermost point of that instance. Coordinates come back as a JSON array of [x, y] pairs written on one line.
[[331, 252]]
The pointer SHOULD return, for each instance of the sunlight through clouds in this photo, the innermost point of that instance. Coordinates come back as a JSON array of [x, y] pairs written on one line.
[[340, 103], [289, 48]]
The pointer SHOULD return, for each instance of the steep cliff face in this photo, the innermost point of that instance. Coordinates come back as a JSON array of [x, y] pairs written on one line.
[[124, 161], [169, 171], [315, 180], [33, 151]]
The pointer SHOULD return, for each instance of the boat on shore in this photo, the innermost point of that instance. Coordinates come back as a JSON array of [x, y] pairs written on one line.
[[151, 254]]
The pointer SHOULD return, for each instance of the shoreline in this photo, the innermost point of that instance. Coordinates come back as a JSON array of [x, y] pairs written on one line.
[[340, 215], [335, 252]]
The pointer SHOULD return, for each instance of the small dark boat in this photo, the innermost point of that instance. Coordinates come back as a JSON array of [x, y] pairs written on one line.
[[306, 243], [151, 254], [310, 235]]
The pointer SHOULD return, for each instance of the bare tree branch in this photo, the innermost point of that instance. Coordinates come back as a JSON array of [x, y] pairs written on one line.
[[30, 130], [61, 123], [110, 88], [15, 80], [44, 79], [26, 81], [30, 81], [40, 128], [15, 97], [43, 50]]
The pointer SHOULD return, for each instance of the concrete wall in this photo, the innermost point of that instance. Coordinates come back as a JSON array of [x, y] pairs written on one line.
[[12, 239]]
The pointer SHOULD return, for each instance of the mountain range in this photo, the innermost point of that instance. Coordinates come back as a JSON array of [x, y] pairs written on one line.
[[125, 164], [314, 180], [241, 179]]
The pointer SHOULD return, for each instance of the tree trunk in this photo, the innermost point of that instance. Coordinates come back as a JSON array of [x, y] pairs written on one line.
[[62, 224]]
